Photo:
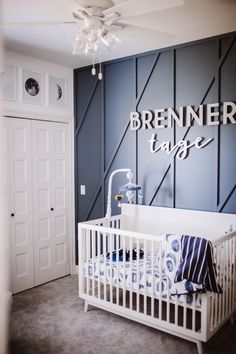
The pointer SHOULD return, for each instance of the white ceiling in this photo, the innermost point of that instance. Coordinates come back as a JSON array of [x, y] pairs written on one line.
[[193, 20]]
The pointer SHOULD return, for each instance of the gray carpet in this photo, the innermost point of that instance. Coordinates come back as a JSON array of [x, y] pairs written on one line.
[[49, 319]]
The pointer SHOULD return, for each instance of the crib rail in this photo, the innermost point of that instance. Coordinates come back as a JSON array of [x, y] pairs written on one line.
[[102, 284], [222, 307]]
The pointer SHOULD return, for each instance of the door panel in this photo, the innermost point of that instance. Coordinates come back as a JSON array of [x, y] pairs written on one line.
[[21, 204], [50, 200]]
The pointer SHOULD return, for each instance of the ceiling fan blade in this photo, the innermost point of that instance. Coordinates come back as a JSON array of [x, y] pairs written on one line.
[[117, 2], [132, 8], [72, 4], [37, 24], [97, 3], [163, 34]]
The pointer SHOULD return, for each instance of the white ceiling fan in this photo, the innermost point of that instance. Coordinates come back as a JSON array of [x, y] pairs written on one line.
[[98, 21]]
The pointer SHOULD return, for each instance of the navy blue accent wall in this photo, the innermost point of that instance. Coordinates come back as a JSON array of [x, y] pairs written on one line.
[[192, 74]]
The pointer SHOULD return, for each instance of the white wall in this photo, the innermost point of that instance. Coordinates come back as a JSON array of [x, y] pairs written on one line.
[[21, 62], [5, 294]]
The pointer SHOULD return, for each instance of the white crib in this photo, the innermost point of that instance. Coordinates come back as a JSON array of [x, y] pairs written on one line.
[[143, 226]]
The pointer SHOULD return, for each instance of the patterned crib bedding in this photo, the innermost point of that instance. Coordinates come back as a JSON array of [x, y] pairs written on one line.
[[136, 274]]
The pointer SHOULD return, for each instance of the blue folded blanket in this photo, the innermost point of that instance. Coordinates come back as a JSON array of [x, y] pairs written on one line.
[[196, 263], [120, 255]]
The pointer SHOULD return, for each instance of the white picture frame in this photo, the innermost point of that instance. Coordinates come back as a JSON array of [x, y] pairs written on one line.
[[8, 83], [56, 91], [32, 87]]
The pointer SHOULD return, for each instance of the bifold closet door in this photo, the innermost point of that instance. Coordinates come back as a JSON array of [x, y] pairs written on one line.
[[19, 133], [50, 200]]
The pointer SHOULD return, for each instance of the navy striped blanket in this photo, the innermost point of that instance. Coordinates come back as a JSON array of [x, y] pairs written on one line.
[[196, 263]]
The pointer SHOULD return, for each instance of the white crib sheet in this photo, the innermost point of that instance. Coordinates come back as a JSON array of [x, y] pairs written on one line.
[[118, 274]]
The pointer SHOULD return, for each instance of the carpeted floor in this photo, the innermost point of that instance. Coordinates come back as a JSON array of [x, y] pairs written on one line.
[[50, 319]]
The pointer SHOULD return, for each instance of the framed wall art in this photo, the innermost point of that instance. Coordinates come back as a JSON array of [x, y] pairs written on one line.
[[8, 82], [31, 87], [56, 91]]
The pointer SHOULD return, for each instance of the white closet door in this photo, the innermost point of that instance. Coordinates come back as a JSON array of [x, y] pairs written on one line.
[[21, 204], [50, 200]]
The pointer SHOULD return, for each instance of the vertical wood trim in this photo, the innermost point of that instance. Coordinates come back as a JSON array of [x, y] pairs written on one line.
[[103, 138], [218, 134], [76, 171], [135, 90], [174, 127]]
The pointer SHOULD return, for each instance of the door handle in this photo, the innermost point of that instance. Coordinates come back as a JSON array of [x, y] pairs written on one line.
[[12, 214], [52, 209]]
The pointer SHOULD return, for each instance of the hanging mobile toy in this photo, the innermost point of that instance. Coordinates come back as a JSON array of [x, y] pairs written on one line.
[[119, 197]]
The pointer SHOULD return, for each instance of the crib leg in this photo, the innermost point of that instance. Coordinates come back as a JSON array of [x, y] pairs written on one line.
[[199, 347], [86, 306], [232, 320]]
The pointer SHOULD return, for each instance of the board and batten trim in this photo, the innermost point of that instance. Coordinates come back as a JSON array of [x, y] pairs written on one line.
[[141, 75]]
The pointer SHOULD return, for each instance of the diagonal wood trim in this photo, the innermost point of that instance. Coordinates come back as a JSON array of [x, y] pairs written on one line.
[[116, 150], [224, 57], [147, 81], [86, 108], [102, 181], [160, 184], [220, 62], [223, 204], [176, 151], [93, 202]]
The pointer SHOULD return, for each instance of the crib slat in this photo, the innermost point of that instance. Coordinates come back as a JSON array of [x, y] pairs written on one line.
[[234, 273], [217, 254], [194, 312], [153, 292], [131, 273], [118, 270], [111, 270], [87, 233], [226, 283], [231, 274], [215, 295], [93, 261], [145, 274], [223, 273], [124, 271], [217, 315], [176, 311], [185, 316], [226, 279], [99, 263], [138, 275], [168, 304], [104, 237], [160, 282], [220, 264]]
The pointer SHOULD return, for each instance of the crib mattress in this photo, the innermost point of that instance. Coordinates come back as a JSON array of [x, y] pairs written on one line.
[[143, 274]]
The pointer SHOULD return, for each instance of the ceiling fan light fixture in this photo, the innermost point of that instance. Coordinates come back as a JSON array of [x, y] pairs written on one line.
[[109, 39], [79, 47], [91, 47]]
